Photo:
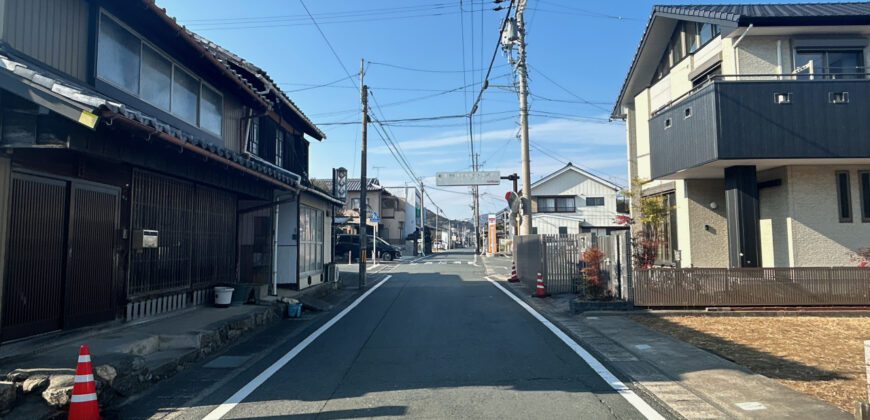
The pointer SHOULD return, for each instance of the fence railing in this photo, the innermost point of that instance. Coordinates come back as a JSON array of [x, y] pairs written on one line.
[[800, 286], [559, 257]]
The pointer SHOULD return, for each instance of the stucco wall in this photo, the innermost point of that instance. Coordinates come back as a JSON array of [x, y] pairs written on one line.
[[773, 207], [819, 239], [758, 55]]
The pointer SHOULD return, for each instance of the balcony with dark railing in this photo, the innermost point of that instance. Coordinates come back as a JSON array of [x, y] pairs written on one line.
[[762, 117]]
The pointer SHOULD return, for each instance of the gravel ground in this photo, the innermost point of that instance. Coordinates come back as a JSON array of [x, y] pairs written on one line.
[[820, 356]]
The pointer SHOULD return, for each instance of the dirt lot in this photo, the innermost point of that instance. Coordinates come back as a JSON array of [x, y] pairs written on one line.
[[821, 356]]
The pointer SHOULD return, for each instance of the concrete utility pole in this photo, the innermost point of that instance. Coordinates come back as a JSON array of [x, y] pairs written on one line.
[[526, 226], [476, 211], [422, 219], [363, 231]]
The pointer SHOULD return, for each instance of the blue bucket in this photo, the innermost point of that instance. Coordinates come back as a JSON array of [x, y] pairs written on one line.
[[294, 310]]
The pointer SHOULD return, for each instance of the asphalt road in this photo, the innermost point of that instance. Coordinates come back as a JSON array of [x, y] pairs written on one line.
[[435, 340]]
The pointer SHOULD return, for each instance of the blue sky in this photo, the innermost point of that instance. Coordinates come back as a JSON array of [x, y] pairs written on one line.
[[577, 51]]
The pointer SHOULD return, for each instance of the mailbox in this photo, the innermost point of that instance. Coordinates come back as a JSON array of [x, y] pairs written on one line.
[[144, 238]]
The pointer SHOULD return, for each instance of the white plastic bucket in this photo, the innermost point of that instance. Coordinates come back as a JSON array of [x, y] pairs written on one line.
[[223, 296]]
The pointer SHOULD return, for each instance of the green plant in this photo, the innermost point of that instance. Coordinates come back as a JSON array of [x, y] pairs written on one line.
[[650, 215]]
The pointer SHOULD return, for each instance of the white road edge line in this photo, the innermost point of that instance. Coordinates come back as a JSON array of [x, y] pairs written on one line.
[[246, 390], [599, 368]]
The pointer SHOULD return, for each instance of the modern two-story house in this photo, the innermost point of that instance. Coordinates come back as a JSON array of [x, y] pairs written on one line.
[[572, 200], [140, 165], [751, 121]]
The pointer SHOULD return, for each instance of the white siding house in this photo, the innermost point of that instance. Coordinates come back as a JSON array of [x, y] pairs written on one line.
[[572, 200]]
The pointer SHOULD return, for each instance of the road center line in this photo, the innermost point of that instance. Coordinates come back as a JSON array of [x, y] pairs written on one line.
[[246, 390], [599, 368]]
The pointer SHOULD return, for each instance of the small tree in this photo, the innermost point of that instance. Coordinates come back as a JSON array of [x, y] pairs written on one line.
[[651, 212], [592, 273]]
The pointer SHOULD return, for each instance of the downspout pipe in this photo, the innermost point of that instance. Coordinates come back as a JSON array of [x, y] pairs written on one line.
[[734, 47], [275, 249]]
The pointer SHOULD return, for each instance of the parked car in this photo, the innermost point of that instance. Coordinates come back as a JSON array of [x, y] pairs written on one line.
[[345, 243]]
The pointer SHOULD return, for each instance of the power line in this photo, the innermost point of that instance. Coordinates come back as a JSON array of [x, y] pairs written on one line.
[[492, 60], [328, 43], [586, 101], [396, 66], [440, 117], [319, 86], [396, 9]]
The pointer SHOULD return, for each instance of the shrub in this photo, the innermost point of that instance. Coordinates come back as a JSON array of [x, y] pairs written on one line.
[[593, 288]]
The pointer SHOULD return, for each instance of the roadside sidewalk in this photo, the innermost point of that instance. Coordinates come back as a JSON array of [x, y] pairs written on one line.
[[38, 374], [690, 382]]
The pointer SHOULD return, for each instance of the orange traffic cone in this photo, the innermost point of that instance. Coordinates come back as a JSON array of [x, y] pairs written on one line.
[[514, 277], [83, 402], [540, 292]]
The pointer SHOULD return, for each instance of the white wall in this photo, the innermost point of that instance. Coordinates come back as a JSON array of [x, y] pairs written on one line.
[[288, 222], [572, 183], [818, 238], [318, 203]]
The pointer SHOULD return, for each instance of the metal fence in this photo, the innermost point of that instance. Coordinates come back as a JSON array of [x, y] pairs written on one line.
[[559, 257], [699, 287]]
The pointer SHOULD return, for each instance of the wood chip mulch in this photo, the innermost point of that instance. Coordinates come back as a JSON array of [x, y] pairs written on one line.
[[822, 356]]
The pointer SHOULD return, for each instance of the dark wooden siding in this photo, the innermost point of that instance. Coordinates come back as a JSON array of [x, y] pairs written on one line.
[[688, 141], [33, 283], [232, 118], [54, 32], [196, 235]]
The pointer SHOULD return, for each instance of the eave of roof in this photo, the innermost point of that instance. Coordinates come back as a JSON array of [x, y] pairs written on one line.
[[210, 55], [585, 173], [796, 14], [48, 84]]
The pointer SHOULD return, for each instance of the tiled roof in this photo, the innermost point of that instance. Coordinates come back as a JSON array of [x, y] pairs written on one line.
[[374, 184], [322, 183], [227, 58], [736, 12], [89, 99]]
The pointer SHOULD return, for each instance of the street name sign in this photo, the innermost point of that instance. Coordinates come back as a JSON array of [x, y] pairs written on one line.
[[453, 179]]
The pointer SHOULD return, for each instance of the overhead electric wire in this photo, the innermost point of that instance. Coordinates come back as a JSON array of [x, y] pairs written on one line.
[[396, 9], [425, 70], [586, 101], [320, 86], [492, 60], [329, 44]]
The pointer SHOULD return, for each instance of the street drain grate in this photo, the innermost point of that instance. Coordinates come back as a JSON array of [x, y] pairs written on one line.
[[227, 362]]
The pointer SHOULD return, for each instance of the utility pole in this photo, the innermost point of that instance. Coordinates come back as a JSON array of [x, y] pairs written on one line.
[[436, 225], [363, 231], [476, 211], [422, 219], [526, 226]]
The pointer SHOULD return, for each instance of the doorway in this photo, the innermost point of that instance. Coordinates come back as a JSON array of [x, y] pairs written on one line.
[[62, 255]]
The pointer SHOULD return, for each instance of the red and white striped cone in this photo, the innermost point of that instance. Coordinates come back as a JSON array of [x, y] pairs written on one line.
[[514, 277], [540, 291], [83, 402]]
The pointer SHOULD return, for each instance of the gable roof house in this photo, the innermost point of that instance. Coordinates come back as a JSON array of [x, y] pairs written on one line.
[[139, 163], [750, 120], [573, 200]]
